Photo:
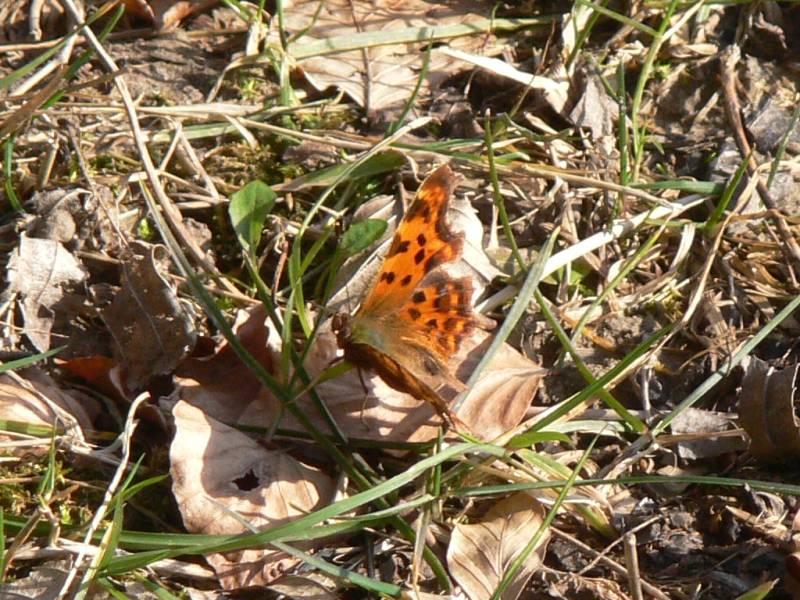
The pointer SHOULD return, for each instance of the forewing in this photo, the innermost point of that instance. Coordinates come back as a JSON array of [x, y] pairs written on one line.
[[422, 242]]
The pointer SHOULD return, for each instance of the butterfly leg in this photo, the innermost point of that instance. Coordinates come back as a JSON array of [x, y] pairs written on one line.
[[366, 397]]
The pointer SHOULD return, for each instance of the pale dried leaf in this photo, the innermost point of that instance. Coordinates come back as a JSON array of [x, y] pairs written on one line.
[[44, 582], [304, 588], [151, 330], [705, 434], [577, 586], [479, 554], [767, 411], [495, 405], [219, 472], [595, 109], [381, 76], [45, 275], [166, 13], [39, 401]]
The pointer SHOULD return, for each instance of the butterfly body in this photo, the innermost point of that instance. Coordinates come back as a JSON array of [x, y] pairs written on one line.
[[414, 317]]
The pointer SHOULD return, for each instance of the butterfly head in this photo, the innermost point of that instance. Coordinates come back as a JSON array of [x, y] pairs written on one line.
[[341, 326]]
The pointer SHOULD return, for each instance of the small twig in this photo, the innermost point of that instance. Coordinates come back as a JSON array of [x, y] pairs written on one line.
[[632, 562]]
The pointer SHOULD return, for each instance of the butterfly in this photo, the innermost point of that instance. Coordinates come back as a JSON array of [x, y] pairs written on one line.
[[415, 315]]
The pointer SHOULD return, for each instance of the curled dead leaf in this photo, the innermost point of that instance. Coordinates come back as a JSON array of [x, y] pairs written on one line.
[[219, 474], [366, 407], [38, 400], [47, 278], [164, 14], [767, 411], [479, 554], [206, 382], [152, 332]]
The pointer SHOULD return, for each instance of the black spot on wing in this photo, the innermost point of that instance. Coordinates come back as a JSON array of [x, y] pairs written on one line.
[[419, 297], [405, 280], [388, 277], [419, 256], [434, 261], [414, 313], [442, 302], [398, 246]]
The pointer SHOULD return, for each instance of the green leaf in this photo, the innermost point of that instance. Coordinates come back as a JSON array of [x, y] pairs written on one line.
[[247, 209], [361, 236]]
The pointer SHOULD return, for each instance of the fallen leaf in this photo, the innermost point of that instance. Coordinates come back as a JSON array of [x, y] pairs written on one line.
[[590, 588], [44, 582], [595, 109], [703, 433], [304, 588], [383, 75], [33, 398], [101, 372], [47, 278], [495, 405], [164, 14], [479, 554], [152, 332], [767, 411], [205, 382], [219, 473]]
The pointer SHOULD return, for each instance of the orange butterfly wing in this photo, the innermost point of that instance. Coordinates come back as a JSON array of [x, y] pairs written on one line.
[[414, 317]]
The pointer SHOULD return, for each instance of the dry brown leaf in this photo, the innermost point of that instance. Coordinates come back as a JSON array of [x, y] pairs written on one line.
[[767, 411], [479, 554], [701, 433], [152, 332], [37, 400], [206, 382], [164, 14], [305, 588], [381, 76], [45, 275], [595, 109], [496, 404], [219, 472], [44, 582]]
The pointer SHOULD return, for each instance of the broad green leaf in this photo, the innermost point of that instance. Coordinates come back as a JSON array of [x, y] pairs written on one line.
[[360, 236], [247, 209]]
